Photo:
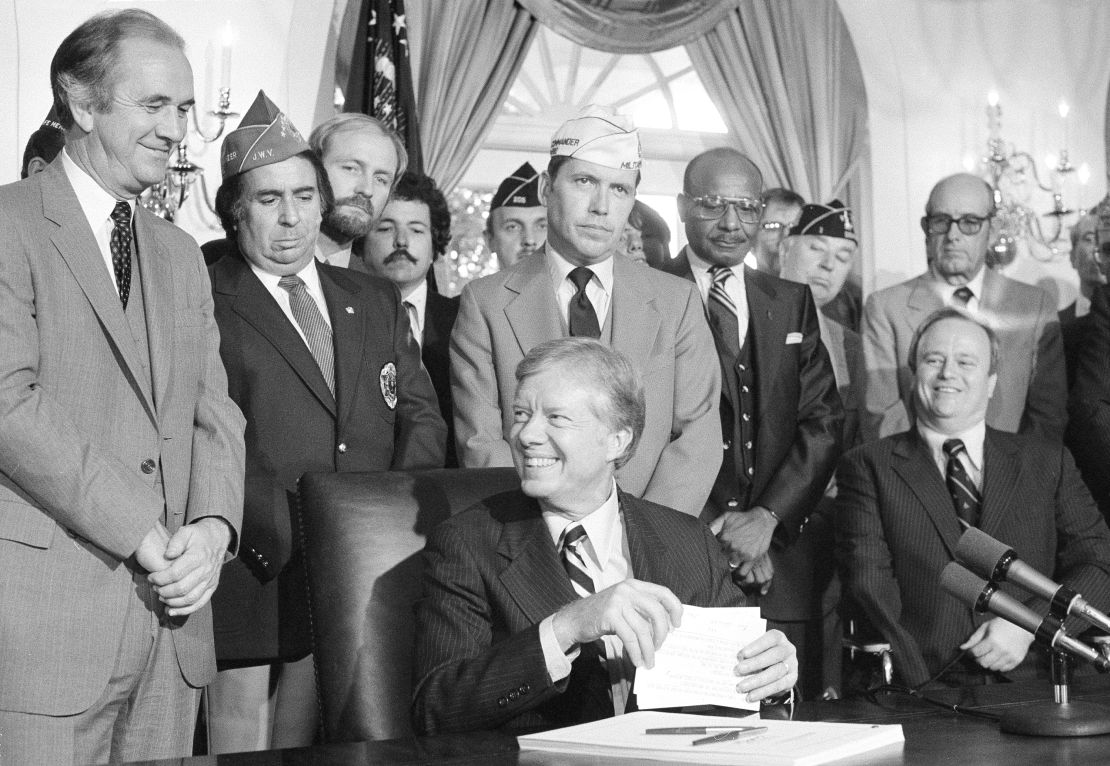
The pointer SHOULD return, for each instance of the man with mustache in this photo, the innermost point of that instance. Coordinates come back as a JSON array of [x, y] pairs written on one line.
[[413, 231], [575, 286], [322, 362], [1031, 395], [363, 159], [517, 223], [779, 408]]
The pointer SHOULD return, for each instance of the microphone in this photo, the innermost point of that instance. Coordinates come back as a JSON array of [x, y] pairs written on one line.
[[984, 596], [996, 561]]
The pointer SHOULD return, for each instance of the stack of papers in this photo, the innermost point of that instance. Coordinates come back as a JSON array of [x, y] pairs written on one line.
[[697, 662], [786, 743]]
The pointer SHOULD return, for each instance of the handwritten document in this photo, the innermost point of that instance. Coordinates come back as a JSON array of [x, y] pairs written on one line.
[[697, 663]]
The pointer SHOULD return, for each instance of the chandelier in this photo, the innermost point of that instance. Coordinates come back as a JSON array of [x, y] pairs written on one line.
[[1012, 174]]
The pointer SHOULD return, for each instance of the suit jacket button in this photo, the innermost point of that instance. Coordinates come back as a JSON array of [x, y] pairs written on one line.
[[732, 503], [746, 417], [342, 447], [147, 466], [726, 445]]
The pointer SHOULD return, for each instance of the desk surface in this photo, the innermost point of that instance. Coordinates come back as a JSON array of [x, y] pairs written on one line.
[[933, 736]]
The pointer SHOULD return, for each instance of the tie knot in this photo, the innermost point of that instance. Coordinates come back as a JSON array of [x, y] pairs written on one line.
[[573, 535], [121, 214], [581, 277], [720, 274], [953, 447], [290, 282], [963, 295]]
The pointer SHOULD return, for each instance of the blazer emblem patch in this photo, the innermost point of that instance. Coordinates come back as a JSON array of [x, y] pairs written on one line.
[[388, 380]]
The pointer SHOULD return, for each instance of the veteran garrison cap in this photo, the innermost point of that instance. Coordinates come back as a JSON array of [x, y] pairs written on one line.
[[601, 135], [52, 122], [829, 220], [521, 189], [265, 136]]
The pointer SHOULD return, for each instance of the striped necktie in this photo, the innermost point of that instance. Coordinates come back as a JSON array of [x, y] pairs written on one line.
[[316, 331], [965, 495], [722, 312], [574, 560]]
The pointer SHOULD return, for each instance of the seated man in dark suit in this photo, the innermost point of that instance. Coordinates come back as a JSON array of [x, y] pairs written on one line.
[[414, 230], [1076, 318], [526, 592], [904, 501]]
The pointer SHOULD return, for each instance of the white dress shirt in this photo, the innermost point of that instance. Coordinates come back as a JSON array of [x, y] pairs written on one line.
[[97, 205], [734, 288], [311, 280], [947, 292], [340, 258], [972, 458], [607, 562], [599, 289]]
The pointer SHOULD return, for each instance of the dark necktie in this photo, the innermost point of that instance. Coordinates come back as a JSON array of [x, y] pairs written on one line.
[[963, 296], [965, 496], [722, 311], [574, 560], [580, 313], [120, 244], [316, 331]]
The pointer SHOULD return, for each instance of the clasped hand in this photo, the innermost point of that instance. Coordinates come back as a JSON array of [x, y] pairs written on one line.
[[185, 568], [642, 615], [745, 538]]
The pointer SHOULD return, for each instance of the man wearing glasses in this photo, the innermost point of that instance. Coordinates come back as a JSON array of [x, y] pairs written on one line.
[[780, 411], [781, 208], [1031, 395]]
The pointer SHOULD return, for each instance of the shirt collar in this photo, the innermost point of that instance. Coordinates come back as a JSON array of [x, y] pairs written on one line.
[[700, 268], [559, 268], [96, 203], [309, 274], [975, 285], [341, 257], [1082, 306], [602, 527], [972, 438]]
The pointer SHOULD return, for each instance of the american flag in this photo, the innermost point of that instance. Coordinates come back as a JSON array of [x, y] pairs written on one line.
[[380, 83]]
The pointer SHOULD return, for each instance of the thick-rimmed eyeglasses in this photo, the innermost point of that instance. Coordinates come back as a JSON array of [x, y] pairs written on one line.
[[712, 206], [941, 223]]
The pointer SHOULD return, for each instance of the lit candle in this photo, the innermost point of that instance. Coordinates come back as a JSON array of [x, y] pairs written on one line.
[[225, 68]]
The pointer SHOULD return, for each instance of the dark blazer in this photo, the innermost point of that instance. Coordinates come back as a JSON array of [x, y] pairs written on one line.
[[1075, 331], [439, 318], [798, 433], [492, 574], [294, 425], [1088, 432], [896, 529]]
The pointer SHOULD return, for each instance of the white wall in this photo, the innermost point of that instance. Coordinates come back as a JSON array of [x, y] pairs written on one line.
[[928, 65]]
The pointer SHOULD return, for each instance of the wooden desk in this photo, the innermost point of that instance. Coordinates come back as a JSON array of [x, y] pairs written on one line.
[[933, 736]]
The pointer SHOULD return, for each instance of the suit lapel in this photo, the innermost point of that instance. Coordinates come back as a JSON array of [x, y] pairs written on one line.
[[635, 318], [156, 273], [1001, 477], [922, 301], [534, 577], [350, 328], [768, 334], [531, 310], [644, 545], [916, 469], [259, 309], [76, 244]]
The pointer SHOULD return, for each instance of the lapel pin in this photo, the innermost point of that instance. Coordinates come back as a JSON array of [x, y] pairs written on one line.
[[350, 310]]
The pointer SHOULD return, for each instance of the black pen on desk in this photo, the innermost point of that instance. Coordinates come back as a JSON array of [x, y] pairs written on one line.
[[704, 729], [735, 735]]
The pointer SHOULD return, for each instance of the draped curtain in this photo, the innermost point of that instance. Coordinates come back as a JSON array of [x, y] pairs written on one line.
[[465, 56], [785, 77]]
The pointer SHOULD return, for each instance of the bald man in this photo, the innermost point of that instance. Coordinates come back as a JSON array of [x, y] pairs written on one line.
[[1031, 394], [779, 408]]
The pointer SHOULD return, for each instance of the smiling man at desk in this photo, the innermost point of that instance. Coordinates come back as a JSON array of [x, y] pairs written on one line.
[[540, 603]]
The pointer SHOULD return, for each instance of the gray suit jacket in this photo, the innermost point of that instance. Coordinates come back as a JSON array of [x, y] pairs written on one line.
[[657, 321], [82, 428], [1031, 394]]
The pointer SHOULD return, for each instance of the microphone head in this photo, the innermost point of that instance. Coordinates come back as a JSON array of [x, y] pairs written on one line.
[[966, 586], [982, 554]]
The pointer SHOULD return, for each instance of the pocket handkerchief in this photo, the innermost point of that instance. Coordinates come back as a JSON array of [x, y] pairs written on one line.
[[793, 337]]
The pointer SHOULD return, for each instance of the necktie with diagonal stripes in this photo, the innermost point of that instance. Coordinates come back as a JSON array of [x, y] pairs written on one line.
[[724, 319], [574, 560], [965, 495], [315, 329]]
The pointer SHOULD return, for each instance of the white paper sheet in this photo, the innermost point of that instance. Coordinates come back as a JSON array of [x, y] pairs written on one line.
[[696, 664]]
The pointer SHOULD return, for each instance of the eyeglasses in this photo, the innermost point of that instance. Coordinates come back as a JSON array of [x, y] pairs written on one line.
[[941, 223], [713, 206]]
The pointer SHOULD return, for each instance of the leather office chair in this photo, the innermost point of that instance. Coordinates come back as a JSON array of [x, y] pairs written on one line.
[[362, 535]]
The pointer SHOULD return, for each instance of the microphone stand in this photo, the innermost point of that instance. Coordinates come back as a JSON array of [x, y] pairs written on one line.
[[1061, 717]]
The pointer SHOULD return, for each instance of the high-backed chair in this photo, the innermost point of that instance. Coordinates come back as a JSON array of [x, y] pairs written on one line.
[[362, 537]]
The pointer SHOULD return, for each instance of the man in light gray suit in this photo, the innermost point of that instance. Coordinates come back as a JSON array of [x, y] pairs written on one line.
[[654, 319], [121, 456], [1031, 394]]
